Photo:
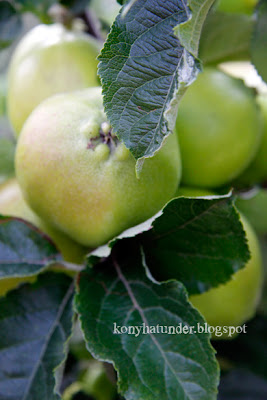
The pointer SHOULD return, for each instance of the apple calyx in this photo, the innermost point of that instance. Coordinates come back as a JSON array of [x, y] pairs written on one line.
[[105, 135], [106, 143]]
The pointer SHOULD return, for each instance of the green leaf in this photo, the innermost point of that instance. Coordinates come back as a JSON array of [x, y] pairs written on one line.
[[10, 24], [144, 71], [259, 40], [24, 250], [225, 37], [150, 366], [35, 324], [189, 32], [200, 242]]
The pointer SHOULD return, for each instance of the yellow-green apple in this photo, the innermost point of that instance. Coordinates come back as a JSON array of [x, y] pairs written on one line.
[[237, 6], [106, 10], [253, 205], [235, 302], [185, 191], [49, 59], [219, 126], [81, 179], [257, 169]]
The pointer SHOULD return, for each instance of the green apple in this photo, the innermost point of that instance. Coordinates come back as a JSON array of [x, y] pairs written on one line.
[[237, 6], [50, 59], [254, 205], [219, 126], [13, 204], [257, 169], [235, 302], [106, 10], [77, 176], [185, 191]]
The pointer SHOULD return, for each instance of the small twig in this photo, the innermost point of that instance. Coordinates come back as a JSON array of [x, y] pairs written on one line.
[[69, 266]]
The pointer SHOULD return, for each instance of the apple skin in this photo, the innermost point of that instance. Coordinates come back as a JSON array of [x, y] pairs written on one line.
[[254, 207], [185, 191], [257, 169], [237, 6], [219, 126], [12, 204], [82, 181], [49, 59], [106, 10], [235, 302]]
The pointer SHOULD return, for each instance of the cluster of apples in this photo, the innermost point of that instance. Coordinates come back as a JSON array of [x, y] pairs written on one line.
[[76, 181]]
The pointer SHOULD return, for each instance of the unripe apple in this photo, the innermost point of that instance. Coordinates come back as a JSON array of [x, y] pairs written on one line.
[[12, 204], [236, 301], [219, 126], [254, 205], [257, 169], [106, 10], [185, 191], [77, 176], [50, 59], [237, 6]]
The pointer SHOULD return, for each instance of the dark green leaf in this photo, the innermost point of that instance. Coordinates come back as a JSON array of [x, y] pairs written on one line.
[[259, 40], [200, 242], [150, 366], [144, 71], [225, 37], [7, 152], [10, 24], [35, 323], [24, 250]]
